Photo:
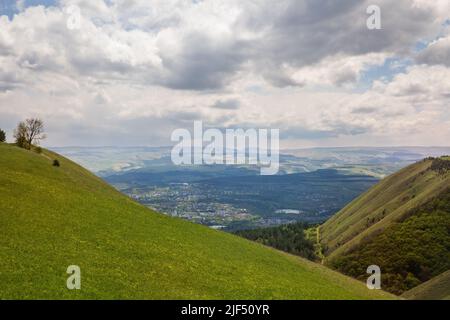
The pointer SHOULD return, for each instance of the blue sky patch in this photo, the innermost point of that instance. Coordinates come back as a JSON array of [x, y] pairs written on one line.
[[385, 72], [9, 7]]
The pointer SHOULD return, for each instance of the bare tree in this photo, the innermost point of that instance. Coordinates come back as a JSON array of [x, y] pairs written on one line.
[[29, 132]]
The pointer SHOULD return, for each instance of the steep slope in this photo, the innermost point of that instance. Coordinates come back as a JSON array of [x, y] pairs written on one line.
[[53, 217], [401, 224], [437, 288]]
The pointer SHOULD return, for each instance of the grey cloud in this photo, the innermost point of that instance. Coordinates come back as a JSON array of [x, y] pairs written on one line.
[[218, 122], [184, 116], [290, 32], [293, 33], [303, 33], [277, 78], [364, 110], [9, 80], [412, 89], [436, 54], [203, 64], [334, 130], [142, 131], [229, 104], [303, 133], [6, 86], [342, 78]]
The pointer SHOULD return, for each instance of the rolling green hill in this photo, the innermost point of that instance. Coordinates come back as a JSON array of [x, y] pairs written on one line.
[[401, 224], [437, 288], [52, 217]]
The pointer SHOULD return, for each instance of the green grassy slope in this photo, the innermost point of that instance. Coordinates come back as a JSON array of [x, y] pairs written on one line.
[[53, 217], [437, 288], [387, 202], [402, 225]]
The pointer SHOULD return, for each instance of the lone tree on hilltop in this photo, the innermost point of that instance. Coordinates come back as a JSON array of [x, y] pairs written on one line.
[[28, 132], [2, 136]]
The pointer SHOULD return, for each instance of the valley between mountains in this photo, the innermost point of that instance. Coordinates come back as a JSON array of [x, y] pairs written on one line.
[[53, 217]]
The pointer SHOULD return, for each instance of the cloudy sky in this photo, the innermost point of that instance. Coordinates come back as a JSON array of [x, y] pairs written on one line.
[[132, 71]]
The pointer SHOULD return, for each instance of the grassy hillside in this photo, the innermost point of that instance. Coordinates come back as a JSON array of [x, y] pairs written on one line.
[[53, 217], [386, 202], [402, 224], [437, 288]]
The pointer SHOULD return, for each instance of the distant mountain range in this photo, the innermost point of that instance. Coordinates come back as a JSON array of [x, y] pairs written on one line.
[[375, 161]]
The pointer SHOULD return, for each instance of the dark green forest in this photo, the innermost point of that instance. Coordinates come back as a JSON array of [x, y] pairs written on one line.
[[289, 238]]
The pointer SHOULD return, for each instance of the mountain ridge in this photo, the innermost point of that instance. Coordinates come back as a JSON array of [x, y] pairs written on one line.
[[401, 224]]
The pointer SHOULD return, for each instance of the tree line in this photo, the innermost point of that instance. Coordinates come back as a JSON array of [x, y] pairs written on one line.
[[289, 238]]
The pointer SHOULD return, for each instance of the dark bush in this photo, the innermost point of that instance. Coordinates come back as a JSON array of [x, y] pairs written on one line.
[[22, 143], [55, 163]]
